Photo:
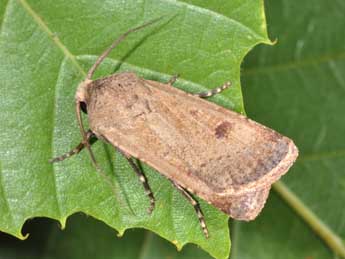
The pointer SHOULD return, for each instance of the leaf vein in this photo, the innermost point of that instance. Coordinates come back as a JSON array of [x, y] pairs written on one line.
[[59, 210], [4, 15], [39, 21], [330, 57], [322, 155], [3, 194]]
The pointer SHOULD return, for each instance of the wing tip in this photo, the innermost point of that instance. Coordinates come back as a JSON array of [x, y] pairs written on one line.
[[246, 202]]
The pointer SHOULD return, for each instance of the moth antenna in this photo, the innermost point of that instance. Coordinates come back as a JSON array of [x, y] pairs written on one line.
[[114, 44], [84, 136]]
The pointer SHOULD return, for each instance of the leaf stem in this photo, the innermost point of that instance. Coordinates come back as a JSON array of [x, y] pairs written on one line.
[[143, 252], [321, 229]]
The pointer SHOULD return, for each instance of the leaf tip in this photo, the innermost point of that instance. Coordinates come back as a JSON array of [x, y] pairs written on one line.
[[274, 42], [22, 237], [120, 233], [178, 245], [62, 222]]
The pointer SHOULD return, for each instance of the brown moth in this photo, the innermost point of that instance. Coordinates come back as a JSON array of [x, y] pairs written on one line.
[[221, 156]]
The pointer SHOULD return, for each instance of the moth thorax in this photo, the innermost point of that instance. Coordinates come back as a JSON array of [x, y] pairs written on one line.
[[82, 93]]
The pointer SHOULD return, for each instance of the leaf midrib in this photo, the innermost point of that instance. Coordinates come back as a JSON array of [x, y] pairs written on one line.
[[3, 15], [52, 145], [52, 35]]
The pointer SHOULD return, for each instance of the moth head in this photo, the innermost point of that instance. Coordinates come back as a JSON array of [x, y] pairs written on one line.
[[82, 94]]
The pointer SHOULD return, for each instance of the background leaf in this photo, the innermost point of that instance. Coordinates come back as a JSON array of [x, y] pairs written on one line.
[[46, 47], [297, 87]]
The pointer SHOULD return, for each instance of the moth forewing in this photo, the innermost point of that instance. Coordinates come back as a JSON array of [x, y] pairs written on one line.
[[219, 155]]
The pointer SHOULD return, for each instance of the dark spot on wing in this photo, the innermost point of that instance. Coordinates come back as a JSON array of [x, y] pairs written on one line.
[[194, 112], [223, 129]]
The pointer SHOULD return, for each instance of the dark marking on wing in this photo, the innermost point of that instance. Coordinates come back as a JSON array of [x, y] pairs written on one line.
[[194, 112], [223, 129]]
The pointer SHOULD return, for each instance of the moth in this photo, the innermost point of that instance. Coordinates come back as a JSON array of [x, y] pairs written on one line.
[[206, 150]]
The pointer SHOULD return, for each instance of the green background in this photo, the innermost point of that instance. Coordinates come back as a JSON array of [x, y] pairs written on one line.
[[296, 87]]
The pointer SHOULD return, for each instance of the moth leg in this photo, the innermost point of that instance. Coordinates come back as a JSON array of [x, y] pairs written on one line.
[[173, 79], [142, 179], [76, 150], [213, 91], [196, 206]]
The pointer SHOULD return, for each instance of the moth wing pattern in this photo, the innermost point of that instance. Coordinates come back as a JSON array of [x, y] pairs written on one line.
[[223, 157]]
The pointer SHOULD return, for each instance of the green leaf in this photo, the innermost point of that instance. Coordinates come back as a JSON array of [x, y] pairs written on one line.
[[48, 241], [45, 49], [297, 87], [136, 244]]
